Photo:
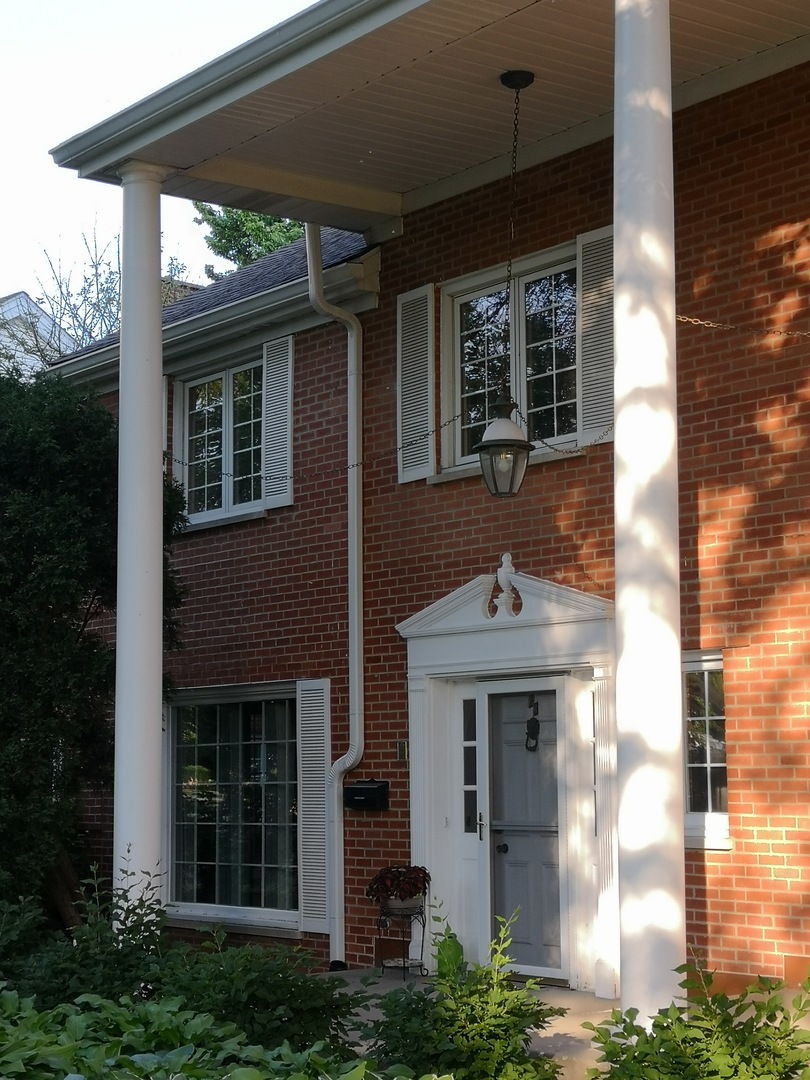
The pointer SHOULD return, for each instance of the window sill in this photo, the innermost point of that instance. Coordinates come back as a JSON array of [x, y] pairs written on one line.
[[704, 843], [233, 923], [707, 832], [226, 519], [472, 468]]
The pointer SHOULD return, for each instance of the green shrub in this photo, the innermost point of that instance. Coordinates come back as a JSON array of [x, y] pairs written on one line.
[[109, 953], [119, 950], [474, 1022], [21, 923], [709, 1035], [96, 1039], [268, 992]]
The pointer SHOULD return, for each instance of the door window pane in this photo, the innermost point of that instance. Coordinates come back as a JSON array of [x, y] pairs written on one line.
[[470, 758]]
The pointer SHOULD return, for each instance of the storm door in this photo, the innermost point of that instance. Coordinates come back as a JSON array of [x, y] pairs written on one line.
[[522, 864]]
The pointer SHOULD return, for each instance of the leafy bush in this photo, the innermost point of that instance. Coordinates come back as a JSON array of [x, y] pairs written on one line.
[[709, 1035], [270, 993], [108, 953], [96, 1039], [21, 924], [474, 1022], [119, 950], [58, 509]]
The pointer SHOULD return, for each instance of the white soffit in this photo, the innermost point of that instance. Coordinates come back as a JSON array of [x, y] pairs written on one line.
[[401, 104]]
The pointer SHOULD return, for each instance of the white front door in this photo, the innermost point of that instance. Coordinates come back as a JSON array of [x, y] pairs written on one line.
[[520, 827]]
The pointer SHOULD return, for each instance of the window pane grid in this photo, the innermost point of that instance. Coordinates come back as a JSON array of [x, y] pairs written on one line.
[[236, 790], [485, 361], [536, 360], [205, 407], [225, 441], [707, 788], [549, 333], [247, 435]]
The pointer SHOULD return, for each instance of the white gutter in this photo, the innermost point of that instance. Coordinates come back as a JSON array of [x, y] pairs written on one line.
[[354, 541]]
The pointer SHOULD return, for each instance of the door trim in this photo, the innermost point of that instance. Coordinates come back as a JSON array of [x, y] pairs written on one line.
[[558, 631]]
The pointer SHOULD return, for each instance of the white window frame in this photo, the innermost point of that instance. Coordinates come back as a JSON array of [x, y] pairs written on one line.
[[312, 697], [276, 438], [594, 344], [708, 831], [523, 273]]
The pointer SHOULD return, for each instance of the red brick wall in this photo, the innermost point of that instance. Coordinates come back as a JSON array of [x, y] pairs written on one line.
[[744, 259], [743, 253], [96, 833], [268, 600]]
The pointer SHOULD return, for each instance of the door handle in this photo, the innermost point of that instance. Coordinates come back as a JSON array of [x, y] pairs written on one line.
[[481, 824], [502, 848]]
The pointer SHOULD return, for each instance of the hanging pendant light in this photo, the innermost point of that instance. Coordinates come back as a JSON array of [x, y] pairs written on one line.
[[504, 449]]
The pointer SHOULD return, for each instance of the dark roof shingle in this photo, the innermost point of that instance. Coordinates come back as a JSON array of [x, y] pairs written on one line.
[[279, 268]]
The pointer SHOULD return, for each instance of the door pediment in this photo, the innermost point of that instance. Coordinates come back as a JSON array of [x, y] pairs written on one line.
[[508, 621]]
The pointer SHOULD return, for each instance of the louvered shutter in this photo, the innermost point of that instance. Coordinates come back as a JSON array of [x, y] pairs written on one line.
[[595, 331], [277, 463], [313, 765], [415, 338]]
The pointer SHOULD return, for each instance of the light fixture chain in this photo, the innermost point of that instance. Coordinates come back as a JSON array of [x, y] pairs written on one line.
[[510, 236]]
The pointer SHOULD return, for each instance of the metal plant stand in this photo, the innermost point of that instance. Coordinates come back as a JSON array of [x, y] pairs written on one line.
[[397, 922]]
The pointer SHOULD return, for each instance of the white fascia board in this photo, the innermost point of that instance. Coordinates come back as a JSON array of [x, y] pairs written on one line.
[[316, 32], [283, 310]]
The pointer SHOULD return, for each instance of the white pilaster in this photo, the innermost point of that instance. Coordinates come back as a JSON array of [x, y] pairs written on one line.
[[606, 936], [139, 651], [648, 687]]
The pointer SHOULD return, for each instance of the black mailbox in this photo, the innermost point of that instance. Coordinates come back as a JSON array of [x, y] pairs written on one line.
[[366, 795]]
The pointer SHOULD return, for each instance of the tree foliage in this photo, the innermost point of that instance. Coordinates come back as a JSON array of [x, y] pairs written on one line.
[[85, 304], [58, 511], [89, 309], [241, 236]]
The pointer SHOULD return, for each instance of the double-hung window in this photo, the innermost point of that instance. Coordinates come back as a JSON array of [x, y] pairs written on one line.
[[545, 337], [236, 436], [705, 742], [524, 343], [248, 810]]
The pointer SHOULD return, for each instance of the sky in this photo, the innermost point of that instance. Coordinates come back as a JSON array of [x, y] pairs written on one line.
[[65, 65]]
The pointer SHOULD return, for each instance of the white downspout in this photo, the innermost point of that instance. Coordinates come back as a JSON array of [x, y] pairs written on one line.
[[354, 542]]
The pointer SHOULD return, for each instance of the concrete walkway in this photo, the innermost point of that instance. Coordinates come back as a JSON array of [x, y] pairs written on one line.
[[564, 1039]]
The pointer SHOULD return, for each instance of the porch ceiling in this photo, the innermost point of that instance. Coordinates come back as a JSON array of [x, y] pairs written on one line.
[[356, 112]]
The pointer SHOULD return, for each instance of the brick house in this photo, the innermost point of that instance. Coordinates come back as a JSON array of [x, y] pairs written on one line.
[[608, 726]]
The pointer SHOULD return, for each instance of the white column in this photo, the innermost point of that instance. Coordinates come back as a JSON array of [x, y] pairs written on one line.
[[139, 652], [648, 684]]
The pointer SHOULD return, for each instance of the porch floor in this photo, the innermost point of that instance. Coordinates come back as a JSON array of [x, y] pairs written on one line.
[[564, 1039]]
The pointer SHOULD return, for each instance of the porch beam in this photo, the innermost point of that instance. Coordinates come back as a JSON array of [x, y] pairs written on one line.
[[272, 181]]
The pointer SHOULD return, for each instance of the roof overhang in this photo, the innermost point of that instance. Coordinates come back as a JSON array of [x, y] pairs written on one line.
[[356, 113]]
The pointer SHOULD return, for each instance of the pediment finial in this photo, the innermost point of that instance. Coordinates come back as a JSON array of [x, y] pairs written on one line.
[[505, 600]]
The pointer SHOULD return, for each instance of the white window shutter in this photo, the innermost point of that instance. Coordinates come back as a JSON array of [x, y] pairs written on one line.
[[313, 766], [277, 463], [415, 337], [595, 331]]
